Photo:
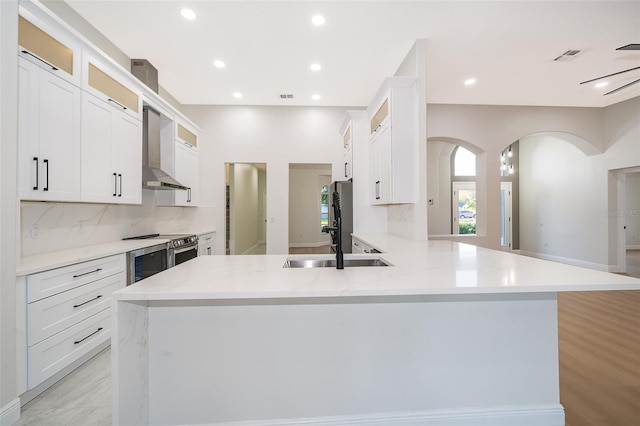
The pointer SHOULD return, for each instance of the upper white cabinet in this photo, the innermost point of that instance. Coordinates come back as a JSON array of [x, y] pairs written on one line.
[[111, 153], [54, 52], [49, 135], [186, 171], [186, 134], [347, 137], [108, 84], [393, 125]]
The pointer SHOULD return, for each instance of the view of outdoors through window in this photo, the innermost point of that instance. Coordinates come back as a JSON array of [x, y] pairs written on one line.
[[324, 206], [464, 191]]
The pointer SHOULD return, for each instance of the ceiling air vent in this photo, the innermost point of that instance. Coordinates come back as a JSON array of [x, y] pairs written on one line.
[[286, 96], [569, 55]]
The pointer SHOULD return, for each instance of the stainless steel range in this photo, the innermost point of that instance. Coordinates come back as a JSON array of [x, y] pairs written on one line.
[[144, 262]]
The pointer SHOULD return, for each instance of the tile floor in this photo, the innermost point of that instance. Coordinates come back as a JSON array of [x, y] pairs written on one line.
[[81, 398]]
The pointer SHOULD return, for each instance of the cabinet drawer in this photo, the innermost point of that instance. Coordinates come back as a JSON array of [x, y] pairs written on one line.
[[49, 283], [54, 314], [55, 353]]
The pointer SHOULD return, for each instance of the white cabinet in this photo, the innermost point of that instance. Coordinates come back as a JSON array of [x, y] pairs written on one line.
[[186, 171], [347, 136], [55, 52], [359, 246], [394, 142], [68, 314], [49, 135], [206, 244], [111, 153]]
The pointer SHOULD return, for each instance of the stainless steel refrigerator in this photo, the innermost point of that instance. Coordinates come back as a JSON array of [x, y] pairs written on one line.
[[345, 190]]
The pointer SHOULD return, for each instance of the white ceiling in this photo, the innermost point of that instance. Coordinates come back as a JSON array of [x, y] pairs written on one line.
[[268, 46]]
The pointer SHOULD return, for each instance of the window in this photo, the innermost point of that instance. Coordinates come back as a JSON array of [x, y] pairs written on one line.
[[464, 191], [464, 163], [324, 206]]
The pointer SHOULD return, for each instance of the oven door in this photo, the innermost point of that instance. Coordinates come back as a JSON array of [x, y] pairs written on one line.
[[147, 261], [182, 254]]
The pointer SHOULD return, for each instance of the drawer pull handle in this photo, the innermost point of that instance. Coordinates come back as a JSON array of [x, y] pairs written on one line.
[[88, 301], [117, 103], [87, 273], [26, 52], [85, 338]]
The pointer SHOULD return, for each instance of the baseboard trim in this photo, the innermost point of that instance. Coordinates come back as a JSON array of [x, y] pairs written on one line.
[[250, 249], [10, 413], [320, 244], [568, 261], [525, 415], [633, 247]]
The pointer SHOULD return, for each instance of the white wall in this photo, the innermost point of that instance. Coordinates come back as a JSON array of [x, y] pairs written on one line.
[[305, 182], [244, 207], [609, 136], [276, 136], [562, 201], [632, 210]]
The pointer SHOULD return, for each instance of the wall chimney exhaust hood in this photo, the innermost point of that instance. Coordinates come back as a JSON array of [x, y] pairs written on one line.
[[153, 176]]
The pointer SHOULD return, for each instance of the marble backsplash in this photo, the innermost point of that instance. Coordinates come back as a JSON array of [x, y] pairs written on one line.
[[47, 227]]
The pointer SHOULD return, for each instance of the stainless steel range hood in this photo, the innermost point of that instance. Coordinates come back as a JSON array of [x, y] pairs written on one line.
[[153, 177]]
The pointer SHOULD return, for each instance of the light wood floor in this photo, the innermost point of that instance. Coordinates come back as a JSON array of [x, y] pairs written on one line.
[[599, 348]]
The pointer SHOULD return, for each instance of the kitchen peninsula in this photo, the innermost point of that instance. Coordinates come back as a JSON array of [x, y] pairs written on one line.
[[451, 334]]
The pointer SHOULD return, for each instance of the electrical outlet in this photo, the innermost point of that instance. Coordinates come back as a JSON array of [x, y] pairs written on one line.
[[35, 231]]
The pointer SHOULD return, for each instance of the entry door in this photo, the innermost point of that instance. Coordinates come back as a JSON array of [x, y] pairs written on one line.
[[464, 208], [506, 223]]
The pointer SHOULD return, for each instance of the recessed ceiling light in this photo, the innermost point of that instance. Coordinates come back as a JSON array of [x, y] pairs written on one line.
[[601, 84], [237, 95], [470, 82], [318, 20], [188, 14], [315, 97], [218, 64], [316, 67]]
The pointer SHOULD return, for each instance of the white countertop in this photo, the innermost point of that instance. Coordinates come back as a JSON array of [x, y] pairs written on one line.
[[56, 259], [420, 268]]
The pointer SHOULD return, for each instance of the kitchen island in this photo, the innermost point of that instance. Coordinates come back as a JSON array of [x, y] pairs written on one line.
[[451, 334]]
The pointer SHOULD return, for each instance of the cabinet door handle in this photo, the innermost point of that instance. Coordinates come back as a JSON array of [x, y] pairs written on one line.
[[85, 338], [345, 170], [46, 162], [87, 273], [120, 176], [88, 301], [40, 59], [35, 188], [188, 195], [208, 250], [117, 103], [115, 184], [377, 190]]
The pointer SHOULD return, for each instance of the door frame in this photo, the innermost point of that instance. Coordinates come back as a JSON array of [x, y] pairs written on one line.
[[455, 217], [507, 212]]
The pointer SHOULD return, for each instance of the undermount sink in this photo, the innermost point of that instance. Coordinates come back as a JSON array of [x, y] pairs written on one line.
[[301, 262]]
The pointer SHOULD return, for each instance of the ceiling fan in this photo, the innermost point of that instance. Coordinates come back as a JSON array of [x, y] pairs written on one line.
[[633, 46]]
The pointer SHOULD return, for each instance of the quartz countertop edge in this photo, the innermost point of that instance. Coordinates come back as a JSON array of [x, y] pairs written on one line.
[[57, 259], [420, 268]]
